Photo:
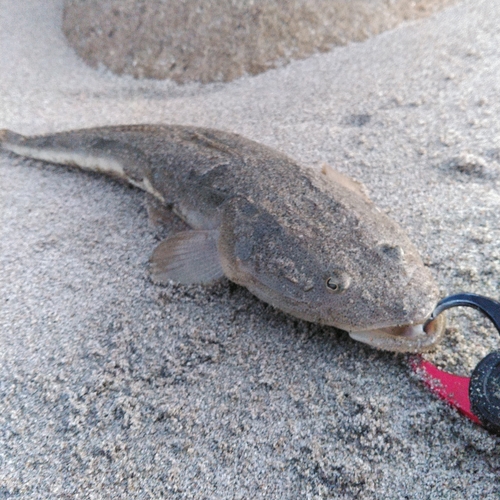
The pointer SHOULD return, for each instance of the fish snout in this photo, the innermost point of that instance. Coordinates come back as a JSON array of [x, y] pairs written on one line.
[[405, 338]]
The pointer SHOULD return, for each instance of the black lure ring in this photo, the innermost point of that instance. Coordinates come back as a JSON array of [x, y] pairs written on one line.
[[484, 389]]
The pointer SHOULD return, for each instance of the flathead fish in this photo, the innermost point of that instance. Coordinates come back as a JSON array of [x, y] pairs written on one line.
[[310, 243]]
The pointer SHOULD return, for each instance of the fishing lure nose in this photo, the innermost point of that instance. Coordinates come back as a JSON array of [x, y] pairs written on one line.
[[477, 397]]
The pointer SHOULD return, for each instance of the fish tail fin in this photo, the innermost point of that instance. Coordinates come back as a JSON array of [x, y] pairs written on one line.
[[7, 137], [88, 150]]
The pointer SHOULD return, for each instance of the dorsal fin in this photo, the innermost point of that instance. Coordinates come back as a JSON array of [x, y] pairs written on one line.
[[345, 181]]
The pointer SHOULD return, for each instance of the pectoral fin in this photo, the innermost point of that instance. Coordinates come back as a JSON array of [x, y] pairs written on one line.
[[187, 257]]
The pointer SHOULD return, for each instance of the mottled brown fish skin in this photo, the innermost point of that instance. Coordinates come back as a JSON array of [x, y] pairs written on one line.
[[290, 234]]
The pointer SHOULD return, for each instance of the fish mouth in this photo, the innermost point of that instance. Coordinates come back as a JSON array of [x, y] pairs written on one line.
[[405, 338]]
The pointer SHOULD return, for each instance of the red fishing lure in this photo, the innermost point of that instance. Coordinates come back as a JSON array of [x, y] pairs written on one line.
[[478, 396]]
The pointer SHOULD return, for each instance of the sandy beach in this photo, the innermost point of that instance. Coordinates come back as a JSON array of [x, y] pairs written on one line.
[[114, 387]]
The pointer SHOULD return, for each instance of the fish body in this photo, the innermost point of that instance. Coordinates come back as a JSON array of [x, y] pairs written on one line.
[[310, 243]]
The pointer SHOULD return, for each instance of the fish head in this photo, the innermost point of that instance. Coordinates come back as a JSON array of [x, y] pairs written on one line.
[[388, 298], [371, 283]]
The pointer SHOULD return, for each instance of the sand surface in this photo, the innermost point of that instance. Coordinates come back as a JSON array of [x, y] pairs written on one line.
[[112, 387]]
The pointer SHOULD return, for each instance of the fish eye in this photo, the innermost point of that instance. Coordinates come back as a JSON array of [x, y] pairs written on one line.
[[337, 284], [332, 285]]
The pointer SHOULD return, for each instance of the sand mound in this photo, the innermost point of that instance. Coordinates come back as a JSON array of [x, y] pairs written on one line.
[[217, 40]]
